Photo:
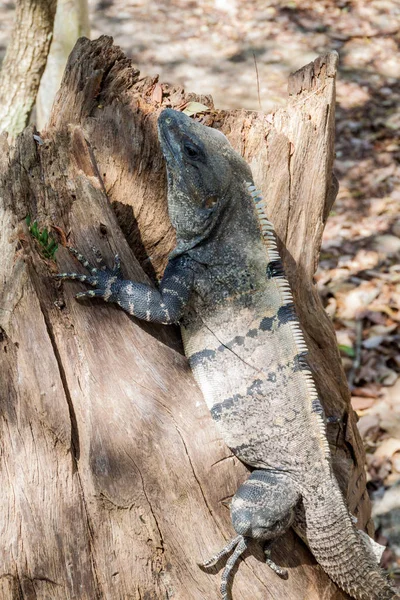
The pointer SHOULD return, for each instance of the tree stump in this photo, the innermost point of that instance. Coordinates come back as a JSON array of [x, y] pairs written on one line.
[[115, 479]]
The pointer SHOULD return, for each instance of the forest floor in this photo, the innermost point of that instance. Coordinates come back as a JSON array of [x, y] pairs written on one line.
[[214, 46]]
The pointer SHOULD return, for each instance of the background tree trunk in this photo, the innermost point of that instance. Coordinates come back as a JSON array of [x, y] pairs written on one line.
[[24, 62], [114, 477], [71, 22]]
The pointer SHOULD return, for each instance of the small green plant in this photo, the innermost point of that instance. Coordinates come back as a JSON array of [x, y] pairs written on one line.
[[48, 244], [348, 350]]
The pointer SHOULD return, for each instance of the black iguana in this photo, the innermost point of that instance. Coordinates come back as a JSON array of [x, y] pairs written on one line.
[[225, 283]]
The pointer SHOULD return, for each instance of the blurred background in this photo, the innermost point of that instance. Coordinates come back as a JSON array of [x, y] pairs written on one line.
[[232, 48]]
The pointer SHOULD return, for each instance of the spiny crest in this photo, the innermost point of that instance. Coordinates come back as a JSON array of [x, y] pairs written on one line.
[[275, 270]]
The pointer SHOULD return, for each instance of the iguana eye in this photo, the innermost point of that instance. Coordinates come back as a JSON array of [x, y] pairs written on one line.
[[191, 151]]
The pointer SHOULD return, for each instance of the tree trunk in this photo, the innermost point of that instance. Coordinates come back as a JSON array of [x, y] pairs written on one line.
[[115, 479], [71, 22], [24, 62]]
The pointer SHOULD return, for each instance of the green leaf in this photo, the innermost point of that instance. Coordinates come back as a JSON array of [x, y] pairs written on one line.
[[192, 108], [28, 220], [51, 248], [47, 243], [44, 237], [35, 230], [348, 350]]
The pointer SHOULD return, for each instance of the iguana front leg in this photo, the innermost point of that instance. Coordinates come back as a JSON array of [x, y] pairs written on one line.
[[140, 300]]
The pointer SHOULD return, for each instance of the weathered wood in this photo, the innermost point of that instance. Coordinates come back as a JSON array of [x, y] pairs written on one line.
[[70, 23], [24, 62], [115, 478]]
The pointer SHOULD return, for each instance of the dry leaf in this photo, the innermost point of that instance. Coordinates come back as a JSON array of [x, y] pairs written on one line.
[[388, 376], [373, 342], [387, 448], [396, 461], [350, 304], [366, 423], [157, 94], [360, 403], [370, 390], [193, 108]]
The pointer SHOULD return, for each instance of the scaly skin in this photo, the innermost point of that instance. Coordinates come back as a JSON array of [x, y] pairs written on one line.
[[225, 282]]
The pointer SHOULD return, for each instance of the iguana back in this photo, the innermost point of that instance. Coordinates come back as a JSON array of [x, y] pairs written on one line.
[[247, 352]]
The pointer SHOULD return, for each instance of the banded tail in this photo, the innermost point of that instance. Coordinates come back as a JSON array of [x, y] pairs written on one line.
[[340, 548]]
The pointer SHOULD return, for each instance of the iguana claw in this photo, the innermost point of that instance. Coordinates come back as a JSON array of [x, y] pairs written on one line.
[[272, 565], [101, 277], [240, 545]]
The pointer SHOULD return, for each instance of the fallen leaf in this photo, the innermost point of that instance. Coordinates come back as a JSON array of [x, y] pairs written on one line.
[[387, 503], [193, 108], [388, 376], [387, 244], [360, 403], [331, 306], [383, 329], [379, 467], [387, 409], [157, 94], [371, 390], [396, 461], [366, 423], [351, 303], [373, 342], [348, 350], [345, 337], [387, 448]]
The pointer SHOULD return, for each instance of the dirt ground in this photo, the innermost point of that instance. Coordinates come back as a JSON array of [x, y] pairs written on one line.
[[214, 46]]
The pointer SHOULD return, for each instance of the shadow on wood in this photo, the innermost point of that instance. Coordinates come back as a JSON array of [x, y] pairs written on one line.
[[115, 478]]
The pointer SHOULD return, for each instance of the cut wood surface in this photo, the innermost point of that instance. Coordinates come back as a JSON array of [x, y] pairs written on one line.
[[115, 479]]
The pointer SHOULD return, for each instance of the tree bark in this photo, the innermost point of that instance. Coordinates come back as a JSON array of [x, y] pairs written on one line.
[[71, 22], [24, 62], [115, 479]]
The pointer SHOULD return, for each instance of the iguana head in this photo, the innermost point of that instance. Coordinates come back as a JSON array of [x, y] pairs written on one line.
[[202, 167]]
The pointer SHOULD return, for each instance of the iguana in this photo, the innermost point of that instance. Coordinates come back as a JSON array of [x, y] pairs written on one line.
[[225, 284]]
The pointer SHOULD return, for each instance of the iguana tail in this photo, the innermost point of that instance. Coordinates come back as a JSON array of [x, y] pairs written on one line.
[[340, 548]]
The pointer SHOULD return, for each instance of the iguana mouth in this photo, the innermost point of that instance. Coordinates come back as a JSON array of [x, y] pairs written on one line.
[[164, 137], [165, 125]]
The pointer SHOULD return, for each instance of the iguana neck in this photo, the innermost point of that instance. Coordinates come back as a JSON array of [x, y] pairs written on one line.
[[234, 251]]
